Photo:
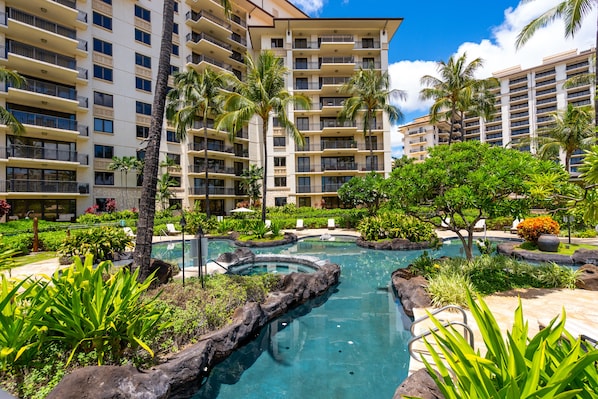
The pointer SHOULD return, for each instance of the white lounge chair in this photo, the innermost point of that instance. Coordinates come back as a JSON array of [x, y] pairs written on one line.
[[299, 225], [171, 230], [331, 225], [268, 223], [480, 225], [445, 223], [514, 226], [129, 232]]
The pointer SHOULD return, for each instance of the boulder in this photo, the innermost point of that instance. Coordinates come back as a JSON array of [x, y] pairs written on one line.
[[584, 255], [411, 290], [419, 385], [396, 244], [164, 272], [588, 279]]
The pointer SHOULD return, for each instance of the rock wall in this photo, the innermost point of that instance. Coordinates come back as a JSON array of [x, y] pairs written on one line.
[[181, 375]]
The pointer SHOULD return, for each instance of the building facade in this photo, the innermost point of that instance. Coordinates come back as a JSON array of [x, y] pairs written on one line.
[[524, 101], [91, 65]]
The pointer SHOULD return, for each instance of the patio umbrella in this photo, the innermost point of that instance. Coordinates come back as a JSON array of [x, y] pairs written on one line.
[[242, 210]]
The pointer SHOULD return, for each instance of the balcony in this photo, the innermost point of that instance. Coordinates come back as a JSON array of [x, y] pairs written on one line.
[[60, 127], [337, 43], [305, 65], [338, 145], [337, 65], [212, 191], [211, 147], [212, 169], [52, 96], [326, 188], [54, 36], [46, 154], [28, 59], [201, 62], [339, 167], [306, 86], [330, 85], [43, 186], [55, 10], [206, 22], [336, 124], [207, 44]]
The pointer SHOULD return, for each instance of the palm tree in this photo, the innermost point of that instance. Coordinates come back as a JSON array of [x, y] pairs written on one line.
[[261, 94], [124, 165], [456, 91], [250, 182], [195, 95], [572, 130], [163, 191], [369, 91], [6, 117], [147, 204], [573, 12]]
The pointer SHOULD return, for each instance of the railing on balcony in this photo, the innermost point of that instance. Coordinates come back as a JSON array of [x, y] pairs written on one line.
[[326, 188], [367, 44], [197, 59], [334, 80], [336, 123], [237, 19], [31, 152], [43, 186], [212, 191], [41, 23], [43, 55], [338, 60], [196, 37], [30, 118], [368, 64], [211, 147], [306, 65], [306, 44], [332, 102], [239, 39], [335, 145], [68, 3], [337, 39], [51, 89], [196, 16], [211, 169], [307, 86], [242, 153]]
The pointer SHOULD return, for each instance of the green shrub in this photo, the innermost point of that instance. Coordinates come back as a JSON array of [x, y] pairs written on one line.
[[587, 233], [449, 289], [551, 275], [22, 243], [395, 225], [100, 242], [532, 228], [51, 241]]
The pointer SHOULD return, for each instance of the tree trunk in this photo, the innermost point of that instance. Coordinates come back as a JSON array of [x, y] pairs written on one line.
[[466, 242], [596, 81], [265, 163], [206, 159], [452, 125], [370, 141], [147, 205]]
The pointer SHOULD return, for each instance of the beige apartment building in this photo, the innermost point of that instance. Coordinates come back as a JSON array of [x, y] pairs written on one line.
[[525, 99], [91, 66]]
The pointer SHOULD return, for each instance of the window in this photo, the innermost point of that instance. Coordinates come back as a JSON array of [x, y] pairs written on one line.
[[302, 123], [175, 49], [143, 37], [280, 141], [176, 6], [277, 42], [280, 181], [301, 43], [103, 151], [367, 42], [171, 137], [280, 201], [103, 125], [101, 72], [174, 157], [300, 63], [143, 108], [173, 69], [368, 62], [143, 84], [102, 47], [102, 99], [104, 178], [143, 13], [102, 20], [304, 201], [175, 28], [107, 1], [301, 84], [142, 132], [280, 161], [143, 60]]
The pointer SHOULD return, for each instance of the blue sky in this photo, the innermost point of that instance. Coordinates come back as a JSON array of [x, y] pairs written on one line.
[[434, 30]]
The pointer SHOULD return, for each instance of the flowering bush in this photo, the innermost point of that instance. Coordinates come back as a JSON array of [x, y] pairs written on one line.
[[531, 229], [92, 209], [111, 205], [4, 207]]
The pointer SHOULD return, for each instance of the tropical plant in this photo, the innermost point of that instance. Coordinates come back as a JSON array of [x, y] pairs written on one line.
[[163, 190], [573, 13], [101, 243], [4, 208], [6, 117], [369, 94], [467, 177], [196, 95], [532, 228], [449, 289], [513, 367], [250, 182], [396, 225], [124, 165], [263, 93], [457, 92], [363, 191]]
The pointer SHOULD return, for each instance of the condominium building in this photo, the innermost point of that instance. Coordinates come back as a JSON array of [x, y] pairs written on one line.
[[91, 66], [524, 101]]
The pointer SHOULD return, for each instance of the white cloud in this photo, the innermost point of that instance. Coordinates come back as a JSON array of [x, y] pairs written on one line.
[[498, 51], [311, 7]]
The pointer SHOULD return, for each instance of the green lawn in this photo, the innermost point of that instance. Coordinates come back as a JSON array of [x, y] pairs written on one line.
[[32, 258], [564, 249]]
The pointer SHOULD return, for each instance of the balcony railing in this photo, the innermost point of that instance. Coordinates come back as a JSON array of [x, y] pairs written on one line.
[[31, 152], [334, 80], [43, 186], [337, 39], [338, 60], [307, 86], [239, 39], [327, 188], [30, 118], [335, 145], [197, 59], [41, 23], [211, 147], [212, 191], [51, 89], [196, 37], [196, 16], [368, 64], [211, 169], [68, 3], [45, 56]]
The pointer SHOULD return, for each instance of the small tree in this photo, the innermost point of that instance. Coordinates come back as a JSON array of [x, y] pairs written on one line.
[[364, 191], [251, 182], [462, 178]]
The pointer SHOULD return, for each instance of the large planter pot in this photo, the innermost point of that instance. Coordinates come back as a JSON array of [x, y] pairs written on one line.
[[548, 243]]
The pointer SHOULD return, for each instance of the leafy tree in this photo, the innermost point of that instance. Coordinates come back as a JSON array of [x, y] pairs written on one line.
[[369, 91], [364, 191], [457, 92], [400, 162], [262, 94], [250, 182], [573, 13], [465, 177], [196, 96], [7, 118]]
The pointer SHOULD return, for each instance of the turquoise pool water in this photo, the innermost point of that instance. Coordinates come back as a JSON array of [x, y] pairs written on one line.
[[353, 345]]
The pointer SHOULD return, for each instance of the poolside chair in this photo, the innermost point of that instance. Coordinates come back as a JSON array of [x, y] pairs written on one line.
[[331, 225], [129, 232], [514, 226], [268, 223], [480, 225], [299, 225], [445, 223], [171, 230]]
